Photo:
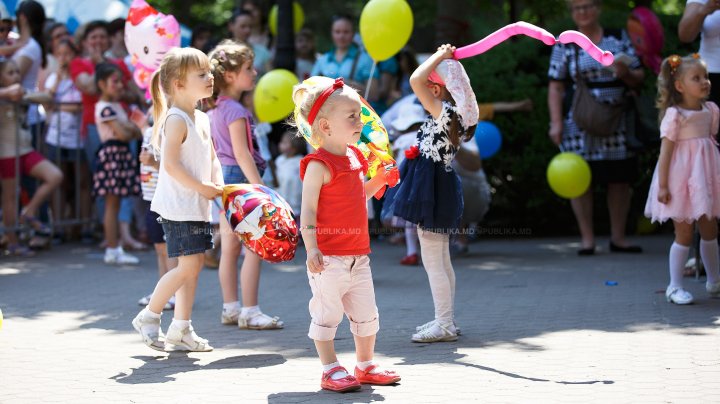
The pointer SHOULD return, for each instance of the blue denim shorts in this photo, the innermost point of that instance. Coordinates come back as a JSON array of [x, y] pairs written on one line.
[[234, 175], [186, 238]]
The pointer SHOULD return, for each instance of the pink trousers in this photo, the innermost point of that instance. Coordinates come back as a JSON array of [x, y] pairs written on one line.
[[344, 287]]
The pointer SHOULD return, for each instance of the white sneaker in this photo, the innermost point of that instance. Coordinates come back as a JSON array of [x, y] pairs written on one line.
[[149, 330], [145, 300], [119, 256], [436, 333], [430, 324], [186, 339], [678, 295], [713, 288]]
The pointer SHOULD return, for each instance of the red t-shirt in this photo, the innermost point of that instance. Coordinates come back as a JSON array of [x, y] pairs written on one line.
[[82, 65], [342, 221]]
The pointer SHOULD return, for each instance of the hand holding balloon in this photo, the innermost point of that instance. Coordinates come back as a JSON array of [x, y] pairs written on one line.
[[604, 57]]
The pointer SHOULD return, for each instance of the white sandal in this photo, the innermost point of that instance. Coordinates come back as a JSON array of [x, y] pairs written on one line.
[[430, 324], [187, 340], [435, 333], [266, 322]]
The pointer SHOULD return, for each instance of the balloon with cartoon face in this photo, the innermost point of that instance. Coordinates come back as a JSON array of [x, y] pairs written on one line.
[[149, 35], [262, 220]]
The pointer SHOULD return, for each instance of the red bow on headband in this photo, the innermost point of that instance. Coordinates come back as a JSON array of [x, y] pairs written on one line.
[[338, 84]]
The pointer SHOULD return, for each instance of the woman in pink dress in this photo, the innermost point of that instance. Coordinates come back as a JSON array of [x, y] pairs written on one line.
[[686, 185]]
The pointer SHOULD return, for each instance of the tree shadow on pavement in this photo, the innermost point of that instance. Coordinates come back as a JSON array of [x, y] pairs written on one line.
[[161, 369], [448, 351]]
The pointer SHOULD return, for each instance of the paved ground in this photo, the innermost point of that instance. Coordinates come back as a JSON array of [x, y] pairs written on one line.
[[539, 325]]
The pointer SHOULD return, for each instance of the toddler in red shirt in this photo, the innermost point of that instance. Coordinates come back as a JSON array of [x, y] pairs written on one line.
[[335, 231]]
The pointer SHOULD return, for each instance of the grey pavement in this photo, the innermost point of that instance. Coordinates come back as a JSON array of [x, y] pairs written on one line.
[[539, 325]]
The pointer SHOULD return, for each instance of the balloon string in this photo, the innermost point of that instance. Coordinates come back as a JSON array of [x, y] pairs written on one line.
[[369, 82]]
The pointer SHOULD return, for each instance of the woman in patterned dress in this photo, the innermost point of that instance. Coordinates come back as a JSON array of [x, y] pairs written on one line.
[[611, 162]]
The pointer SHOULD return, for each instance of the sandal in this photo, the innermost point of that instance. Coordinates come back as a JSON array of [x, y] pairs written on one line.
[[435, 333], [39, 242], [260, 321], [39, 227], [17, 250]]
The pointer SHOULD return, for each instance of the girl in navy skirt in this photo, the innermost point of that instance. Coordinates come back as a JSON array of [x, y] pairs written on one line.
[[430, 194], [116, 174]]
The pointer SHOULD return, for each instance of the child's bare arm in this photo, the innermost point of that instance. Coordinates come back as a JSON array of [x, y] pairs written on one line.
[[241, 151], [375, 183], [8, 50], [125, 130], [419, 79], [666, 150], [315, 175]]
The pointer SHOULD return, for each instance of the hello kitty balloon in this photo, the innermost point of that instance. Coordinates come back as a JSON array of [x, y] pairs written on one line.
[[149, 34]]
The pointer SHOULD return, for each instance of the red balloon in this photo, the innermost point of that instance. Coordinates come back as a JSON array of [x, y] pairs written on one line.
[[262, 220]]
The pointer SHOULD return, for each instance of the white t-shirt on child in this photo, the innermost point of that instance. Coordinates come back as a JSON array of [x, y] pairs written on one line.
[[64, 127]]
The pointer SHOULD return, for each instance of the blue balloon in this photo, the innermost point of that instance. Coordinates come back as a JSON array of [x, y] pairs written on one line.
[[488, 139]]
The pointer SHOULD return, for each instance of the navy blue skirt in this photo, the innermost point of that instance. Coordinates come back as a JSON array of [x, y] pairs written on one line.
[[427, 195]]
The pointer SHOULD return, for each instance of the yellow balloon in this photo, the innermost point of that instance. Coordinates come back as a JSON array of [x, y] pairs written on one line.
[[298, 18], [1, 319], [385, 27], [568, 175], [273, 95]]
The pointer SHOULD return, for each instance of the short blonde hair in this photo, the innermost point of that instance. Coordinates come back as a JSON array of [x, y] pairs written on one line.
[[305, 95]]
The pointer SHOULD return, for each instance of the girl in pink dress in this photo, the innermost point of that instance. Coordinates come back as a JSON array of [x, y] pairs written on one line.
[[686, 183]]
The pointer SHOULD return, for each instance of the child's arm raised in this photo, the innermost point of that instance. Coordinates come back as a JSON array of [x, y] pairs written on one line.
[[125, 130], [316, 175], [666, 150], [176, 132], [419, 80], [241, 150]]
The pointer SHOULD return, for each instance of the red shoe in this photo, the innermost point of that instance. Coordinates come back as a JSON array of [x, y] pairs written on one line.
[[411, 259], [347, 383], [382, 379]]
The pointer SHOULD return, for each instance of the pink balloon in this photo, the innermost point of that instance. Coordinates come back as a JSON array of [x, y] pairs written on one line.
[[605, 58], [149, 34], [502, 35]]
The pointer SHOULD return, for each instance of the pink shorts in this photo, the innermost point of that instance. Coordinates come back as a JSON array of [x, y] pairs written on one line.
[[27, 162], [344, 287]]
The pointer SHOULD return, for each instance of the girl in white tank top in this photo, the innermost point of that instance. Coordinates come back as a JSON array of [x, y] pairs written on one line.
[[189, 177]]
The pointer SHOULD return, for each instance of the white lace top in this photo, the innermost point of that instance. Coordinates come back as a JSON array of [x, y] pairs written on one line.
[[433, 140]]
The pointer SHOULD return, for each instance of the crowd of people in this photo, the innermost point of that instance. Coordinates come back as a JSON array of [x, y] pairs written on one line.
[[148, 171]]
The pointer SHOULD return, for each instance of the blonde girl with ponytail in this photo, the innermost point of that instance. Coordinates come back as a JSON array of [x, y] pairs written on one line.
[[189, 177]]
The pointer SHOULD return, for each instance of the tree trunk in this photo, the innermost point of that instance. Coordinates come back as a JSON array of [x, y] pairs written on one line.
[[285, 51]]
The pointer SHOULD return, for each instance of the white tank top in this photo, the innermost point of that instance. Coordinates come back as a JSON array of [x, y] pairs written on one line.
[[172, 201]]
